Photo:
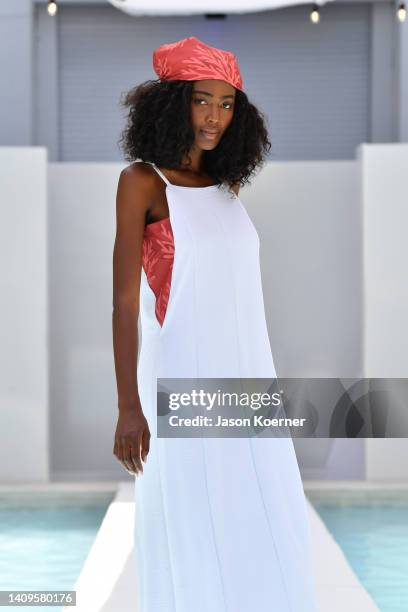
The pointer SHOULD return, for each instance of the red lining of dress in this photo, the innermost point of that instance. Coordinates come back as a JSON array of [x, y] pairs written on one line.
[[157, 261]]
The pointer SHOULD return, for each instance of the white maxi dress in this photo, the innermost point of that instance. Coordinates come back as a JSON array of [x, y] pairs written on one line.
[[221, 524]]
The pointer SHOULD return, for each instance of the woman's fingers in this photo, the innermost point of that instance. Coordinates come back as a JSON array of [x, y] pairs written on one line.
[[137, 451], [132, 441], [130, 460], [126, 458], [145, 444], [125, 455]]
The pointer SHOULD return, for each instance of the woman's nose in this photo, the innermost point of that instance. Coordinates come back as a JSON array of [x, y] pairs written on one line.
[[214, 113]]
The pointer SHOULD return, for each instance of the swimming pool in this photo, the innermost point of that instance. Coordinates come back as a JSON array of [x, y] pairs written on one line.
[[45, 539], [371, 527]]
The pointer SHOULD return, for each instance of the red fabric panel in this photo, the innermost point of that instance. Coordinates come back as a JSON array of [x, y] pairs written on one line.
[[157, 261]]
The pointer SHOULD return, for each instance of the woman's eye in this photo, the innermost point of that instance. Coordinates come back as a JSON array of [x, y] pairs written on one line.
[[198, 100]]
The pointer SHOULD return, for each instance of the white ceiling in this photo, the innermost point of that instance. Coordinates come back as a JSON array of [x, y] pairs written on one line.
[[187, 7]]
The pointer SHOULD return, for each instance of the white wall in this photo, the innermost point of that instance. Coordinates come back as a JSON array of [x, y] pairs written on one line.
[[385, 221], [308, 219], [307, 215], [82, 218], [385, 332], [23, 315]]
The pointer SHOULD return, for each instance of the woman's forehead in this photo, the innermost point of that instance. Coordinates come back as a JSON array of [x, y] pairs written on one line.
[[214, 86]]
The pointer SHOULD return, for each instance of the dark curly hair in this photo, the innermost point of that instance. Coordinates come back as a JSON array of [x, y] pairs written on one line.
[[159, 130]]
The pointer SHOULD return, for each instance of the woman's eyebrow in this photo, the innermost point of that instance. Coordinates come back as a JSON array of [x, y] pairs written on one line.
[[207, 93]]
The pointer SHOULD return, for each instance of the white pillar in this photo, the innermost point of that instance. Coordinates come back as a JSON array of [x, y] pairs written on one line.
[[385, 253], [23, 315]]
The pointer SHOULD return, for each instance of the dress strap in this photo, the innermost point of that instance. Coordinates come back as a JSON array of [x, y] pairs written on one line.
[[160, 173]]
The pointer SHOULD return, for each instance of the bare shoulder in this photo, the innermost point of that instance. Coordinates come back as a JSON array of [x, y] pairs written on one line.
[[137, 174], [134, 197], [137, 187]]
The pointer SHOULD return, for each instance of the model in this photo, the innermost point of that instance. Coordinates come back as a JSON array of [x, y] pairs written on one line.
[[221, 523]]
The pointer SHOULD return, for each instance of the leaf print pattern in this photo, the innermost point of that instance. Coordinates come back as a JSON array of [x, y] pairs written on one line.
[[212, 63], [191, 59], [157, 262], [162, 67]]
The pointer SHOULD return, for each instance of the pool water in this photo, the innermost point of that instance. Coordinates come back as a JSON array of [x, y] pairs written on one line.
[[45, 539], [371, 527]]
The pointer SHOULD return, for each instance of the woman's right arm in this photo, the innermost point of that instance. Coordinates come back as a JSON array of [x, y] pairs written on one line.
[[132, 435]]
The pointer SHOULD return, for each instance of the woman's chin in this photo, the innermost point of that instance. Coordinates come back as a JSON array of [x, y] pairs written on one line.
[[205, 145]]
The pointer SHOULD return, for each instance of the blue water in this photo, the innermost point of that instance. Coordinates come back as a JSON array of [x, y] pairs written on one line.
[[371, 527], [45, 539]]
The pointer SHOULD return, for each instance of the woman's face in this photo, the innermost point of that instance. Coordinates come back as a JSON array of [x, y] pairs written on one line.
[[212, 109]]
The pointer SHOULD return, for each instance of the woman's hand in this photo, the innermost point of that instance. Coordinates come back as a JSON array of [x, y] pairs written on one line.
[[132, 438]]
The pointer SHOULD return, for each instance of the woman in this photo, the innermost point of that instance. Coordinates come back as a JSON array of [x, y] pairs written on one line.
[[221, 523]]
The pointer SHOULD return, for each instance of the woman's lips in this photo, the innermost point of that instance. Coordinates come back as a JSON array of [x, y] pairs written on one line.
[[209, 135]]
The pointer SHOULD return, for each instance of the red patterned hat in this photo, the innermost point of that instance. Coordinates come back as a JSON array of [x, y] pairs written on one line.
[[190, 59]]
